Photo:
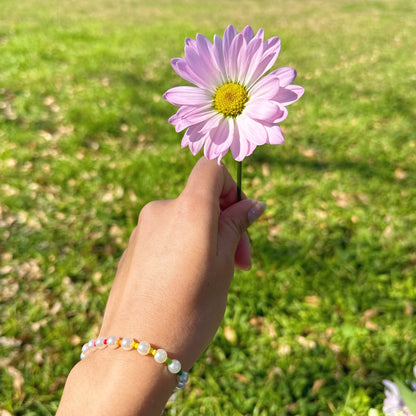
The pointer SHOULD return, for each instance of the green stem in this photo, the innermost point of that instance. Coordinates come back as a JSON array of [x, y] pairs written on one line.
[[239, 169]]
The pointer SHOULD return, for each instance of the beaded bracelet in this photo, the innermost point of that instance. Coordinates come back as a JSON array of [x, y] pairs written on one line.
[[143, 348]]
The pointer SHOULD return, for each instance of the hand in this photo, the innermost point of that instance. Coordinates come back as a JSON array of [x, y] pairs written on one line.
[[170, 290], [172, 282]]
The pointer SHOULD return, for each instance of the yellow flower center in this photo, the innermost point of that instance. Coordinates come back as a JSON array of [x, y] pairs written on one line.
[[230, 98]]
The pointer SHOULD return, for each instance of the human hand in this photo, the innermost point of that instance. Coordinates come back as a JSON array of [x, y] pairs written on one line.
[[172, 282]]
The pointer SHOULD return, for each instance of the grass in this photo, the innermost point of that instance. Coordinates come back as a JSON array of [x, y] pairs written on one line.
[[328, 309]]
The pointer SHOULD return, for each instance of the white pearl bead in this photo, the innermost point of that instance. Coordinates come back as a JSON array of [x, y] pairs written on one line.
[[160, 356], [91, 343], [143, 348], [99, 342], [126, 343], [82, 356], [112, 341], [84, 347], [174, 367]]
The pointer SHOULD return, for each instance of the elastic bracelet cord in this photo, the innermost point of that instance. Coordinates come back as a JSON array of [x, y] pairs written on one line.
[[143, 348]]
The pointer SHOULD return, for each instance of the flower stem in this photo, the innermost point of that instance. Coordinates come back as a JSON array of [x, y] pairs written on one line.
[[239, 169]]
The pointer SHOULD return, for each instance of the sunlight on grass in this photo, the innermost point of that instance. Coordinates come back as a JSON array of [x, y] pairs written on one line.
[[327, 311]]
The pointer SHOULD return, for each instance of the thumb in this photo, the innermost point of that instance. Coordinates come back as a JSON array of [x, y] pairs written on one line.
[[233, 224]]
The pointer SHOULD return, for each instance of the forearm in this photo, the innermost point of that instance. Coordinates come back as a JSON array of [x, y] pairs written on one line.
[[118, 382]]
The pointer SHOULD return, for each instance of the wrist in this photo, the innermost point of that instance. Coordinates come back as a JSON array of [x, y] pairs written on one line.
[[108, 382]]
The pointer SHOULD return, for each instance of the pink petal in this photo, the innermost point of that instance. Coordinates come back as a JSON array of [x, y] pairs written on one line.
[[219, 139], [189, 42], [207, 55], [286, 75], [251, 130], [195, 147], [185, 140], [180, 66], [204, 127], [271, 49], [272, 45], [250, 60], [229, 34], [267, 111], [219, 54], [267, 87], [191, 96], [232, 61], [248, 33], [260, 34], [187, 116], [194, 140], [205, 73], [240, 147], [274, 134], [289, 95]]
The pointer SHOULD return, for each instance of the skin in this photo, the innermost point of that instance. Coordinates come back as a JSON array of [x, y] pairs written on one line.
[[171, 290]]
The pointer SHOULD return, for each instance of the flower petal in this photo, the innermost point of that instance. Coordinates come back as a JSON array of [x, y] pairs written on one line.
[[271, 50], [206, 73], [231, 64], [180, 66], [286, 75], [229, 34], [219, 140], [204, 127], [251, 130], [206, 52], [191, 96], [248, 33], [251, 60], [267, 111], [195, 147], [240, 147], [274, 134], [267, 87], [289, 95], [187, 116]]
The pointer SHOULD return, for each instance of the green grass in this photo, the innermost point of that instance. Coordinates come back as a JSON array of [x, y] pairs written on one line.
[[327, 312]]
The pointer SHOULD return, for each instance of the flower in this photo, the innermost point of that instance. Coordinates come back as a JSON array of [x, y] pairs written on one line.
[[232, 105], [394, 405]]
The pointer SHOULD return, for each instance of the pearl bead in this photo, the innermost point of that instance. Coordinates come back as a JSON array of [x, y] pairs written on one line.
[[99, 342], [160, 356], [82, 356], [91, 343], [84, 347], [174, 367], [143, 348], [112, 341], [126, 343]]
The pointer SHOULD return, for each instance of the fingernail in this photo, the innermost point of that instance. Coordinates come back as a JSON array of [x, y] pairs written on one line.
[[255, 211]]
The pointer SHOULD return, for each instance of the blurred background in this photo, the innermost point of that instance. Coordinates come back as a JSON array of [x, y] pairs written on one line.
[[327, 311]]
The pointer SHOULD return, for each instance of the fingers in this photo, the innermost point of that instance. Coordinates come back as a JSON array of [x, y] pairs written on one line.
[[242, 258], [215, 189], [211, 183], [232, 237]]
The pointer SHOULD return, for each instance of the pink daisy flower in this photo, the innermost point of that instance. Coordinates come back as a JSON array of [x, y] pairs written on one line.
[[232, 105]]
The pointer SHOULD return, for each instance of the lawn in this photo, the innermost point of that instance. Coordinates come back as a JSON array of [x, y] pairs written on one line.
[[327, 311]]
